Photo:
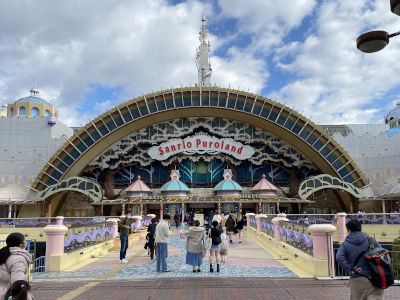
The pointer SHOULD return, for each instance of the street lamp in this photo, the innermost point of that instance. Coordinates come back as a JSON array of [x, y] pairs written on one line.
[[374, 41]]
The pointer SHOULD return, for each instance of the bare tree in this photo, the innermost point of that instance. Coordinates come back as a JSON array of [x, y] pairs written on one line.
[[253, 171], [127, 173], [189, 170], [214, 168]]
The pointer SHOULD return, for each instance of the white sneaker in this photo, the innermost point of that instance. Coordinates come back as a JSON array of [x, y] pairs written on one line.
[[123, 261]]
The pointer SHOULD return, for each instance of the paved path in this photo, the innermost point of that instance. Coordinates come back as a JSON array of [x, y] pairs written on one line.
[[202, 288], [250, 273], [247, 259]]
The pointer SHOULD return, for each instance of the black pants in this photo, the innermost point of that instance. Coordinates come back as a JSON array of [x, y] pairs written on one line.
[[151, 247]]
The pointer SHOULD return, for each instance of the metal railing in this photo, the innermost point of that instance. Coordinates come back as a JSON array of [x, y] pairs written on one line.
[[87, 238], [39, 264], [296, 235]]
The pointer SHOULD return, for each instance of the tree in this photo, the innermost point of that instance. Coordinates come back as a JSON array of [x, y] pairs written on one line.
[[189, 169], [214, 168], [127, 173]]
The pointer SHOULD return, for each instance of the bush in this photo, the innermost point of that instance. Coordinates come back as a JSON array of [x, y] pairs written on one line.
[[396, 258]]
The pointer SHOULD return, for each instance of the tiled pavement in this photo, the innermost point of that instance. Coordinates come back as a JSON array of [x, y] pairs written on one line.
[[250, 273], [247, 259]]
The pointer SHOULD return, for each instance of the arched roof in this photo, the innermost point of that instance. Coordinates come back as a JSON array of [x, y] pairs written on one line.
[[91, 140]]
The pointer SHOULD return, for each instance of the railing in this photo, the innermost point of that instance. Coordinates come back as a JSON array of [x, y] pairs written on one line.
[[253, 222], [39, 264], [86, 239], [296, 236], [267, 227]]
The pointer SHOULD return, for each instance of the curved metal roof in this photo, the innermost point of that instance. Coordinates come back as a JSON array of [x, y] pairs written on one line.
[[228, 185], [174, 186]]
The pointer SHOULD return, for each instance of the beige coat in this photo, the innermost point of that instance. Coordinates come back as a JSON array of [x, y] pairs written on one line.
[[194, 239], [15, 268]]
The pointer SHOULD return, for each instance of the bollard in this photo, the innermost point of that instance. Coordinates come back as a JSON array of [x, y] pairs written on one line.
[[55, 235], [341, 222]]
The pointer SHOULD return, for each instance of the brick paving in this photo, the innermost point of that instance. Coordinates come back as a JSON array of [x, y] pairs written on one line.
[[250, 273], [206, 288]]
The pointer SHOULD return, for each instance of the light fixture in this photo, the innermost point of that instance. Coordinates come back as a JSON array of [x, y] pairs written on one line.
[[374, 41], [395, 6]]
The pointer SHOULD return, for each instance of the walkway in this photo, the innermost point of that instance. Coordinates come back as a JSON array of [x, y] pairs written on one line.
[[247, 259]]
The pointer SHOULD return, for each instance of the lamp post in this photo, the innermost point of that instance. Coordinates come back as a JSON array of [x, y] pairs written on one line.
[[374, 41]]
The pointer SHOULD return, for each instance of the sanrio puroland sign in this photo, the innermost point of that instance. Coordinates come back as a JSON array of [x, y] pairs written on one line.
[[201, 144]]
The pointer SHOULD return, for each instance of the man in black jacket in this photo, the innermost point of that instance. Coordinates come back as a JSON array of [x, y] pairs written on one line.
[[151, 230]]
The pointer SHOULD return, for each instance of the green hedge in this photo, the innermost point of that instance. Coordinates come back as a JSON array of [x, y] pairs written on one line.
[[396, 258]]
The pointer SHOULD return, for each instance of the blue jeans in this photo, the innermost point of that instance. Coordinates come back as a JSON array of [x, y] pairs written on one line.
[[124, 246], [162, 253]]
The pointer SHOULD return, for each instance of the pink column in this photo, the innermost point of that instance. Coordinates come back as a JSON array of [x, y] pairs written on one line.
[[55, 235], [141, 209], [9, 210], [161, 211], [183, 213], [341, 223], [113, 223], [258, 224], [248, 216], [320, 234], [277, 234]]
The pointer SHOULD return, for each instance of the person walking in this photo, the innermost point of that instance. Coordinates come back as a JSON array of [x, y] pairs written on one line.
[[14, 262], [162, 239], [217, 217], [354, 244], [124, 227], [230, 226], [215, 235], [194, 245], [224, 248], [151, 231], [176, 220], [210, 218], [239, 226]]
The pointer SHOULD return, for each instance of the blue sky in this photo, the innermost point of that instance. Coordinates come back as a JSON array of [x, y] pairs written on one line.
[[88, 56]]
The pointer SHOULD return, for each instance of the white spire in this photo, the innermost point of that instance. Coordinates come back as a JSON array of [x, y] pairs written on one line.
[[202, 63]]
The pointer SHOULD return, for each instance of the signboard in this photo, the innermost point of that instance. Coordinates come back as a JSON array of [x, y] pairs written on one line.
[[199, 217], [201, 144]]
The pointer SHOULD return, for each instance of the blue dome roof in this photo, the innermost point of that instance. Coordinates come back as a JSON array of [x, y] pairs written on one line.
[[32, 99], [394, 114], [392, 131], [228, 185], [174, 186]]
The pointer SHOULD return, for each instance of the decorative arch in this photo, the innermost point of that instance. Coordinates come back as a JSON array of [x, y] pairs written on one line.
[[21, 111], [324, 181], [35, 112], [97, 135], [78, 184]]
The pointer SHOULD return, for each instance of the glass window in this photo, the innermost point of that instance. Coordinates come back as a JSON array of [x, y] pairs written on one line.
[[21, 111], [47, 113], [35, 112]]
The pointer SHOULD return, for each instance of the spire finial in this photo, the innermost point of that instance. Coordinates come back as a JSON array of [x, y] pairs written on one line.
[[202, 63]]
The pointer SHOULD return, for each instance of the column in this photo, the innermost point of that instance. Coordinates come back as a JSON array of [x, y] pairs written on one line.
[[320, 234], [383, 209], [248, 216], [55, 235], [260, 209], [48, 212], [161, 211], [277, 207], [114, 223], [277, 234], [258, 223], [123, 209], [183, 214], [240, 208], [102, 209], [9, 210], [341, 222], [219, 207], [141, 209]]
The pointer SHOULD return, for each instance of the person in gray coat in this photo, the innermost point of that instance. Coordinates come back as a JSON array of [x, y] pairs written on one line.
[[194, 247]]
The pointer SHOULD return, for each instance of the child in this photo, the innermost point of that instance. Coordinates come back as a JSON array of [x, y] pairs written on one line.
[[224, 248], [19, 290]]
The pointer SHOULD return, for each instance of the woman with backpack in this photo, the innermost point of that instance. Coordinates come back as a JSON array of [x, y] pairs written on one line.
[[14, 262], [216, 245]]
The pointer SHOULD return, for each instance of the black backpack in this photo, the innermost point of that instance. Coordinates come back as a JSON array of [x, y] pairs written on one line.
[[380, 263]]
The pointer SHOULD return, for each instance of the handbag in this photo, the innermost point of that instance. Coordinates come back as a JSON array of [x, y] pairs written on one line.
[[208, 241]]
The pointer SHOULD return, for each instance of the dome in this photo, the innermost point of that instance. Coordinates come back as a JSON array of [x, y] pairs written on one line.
[[394, 114], [32, 99], [228, 185], [174, 186]]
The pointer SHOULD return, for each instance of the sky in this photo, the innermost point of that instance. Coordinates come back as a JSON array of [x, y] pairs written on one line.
[[87, 56]]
